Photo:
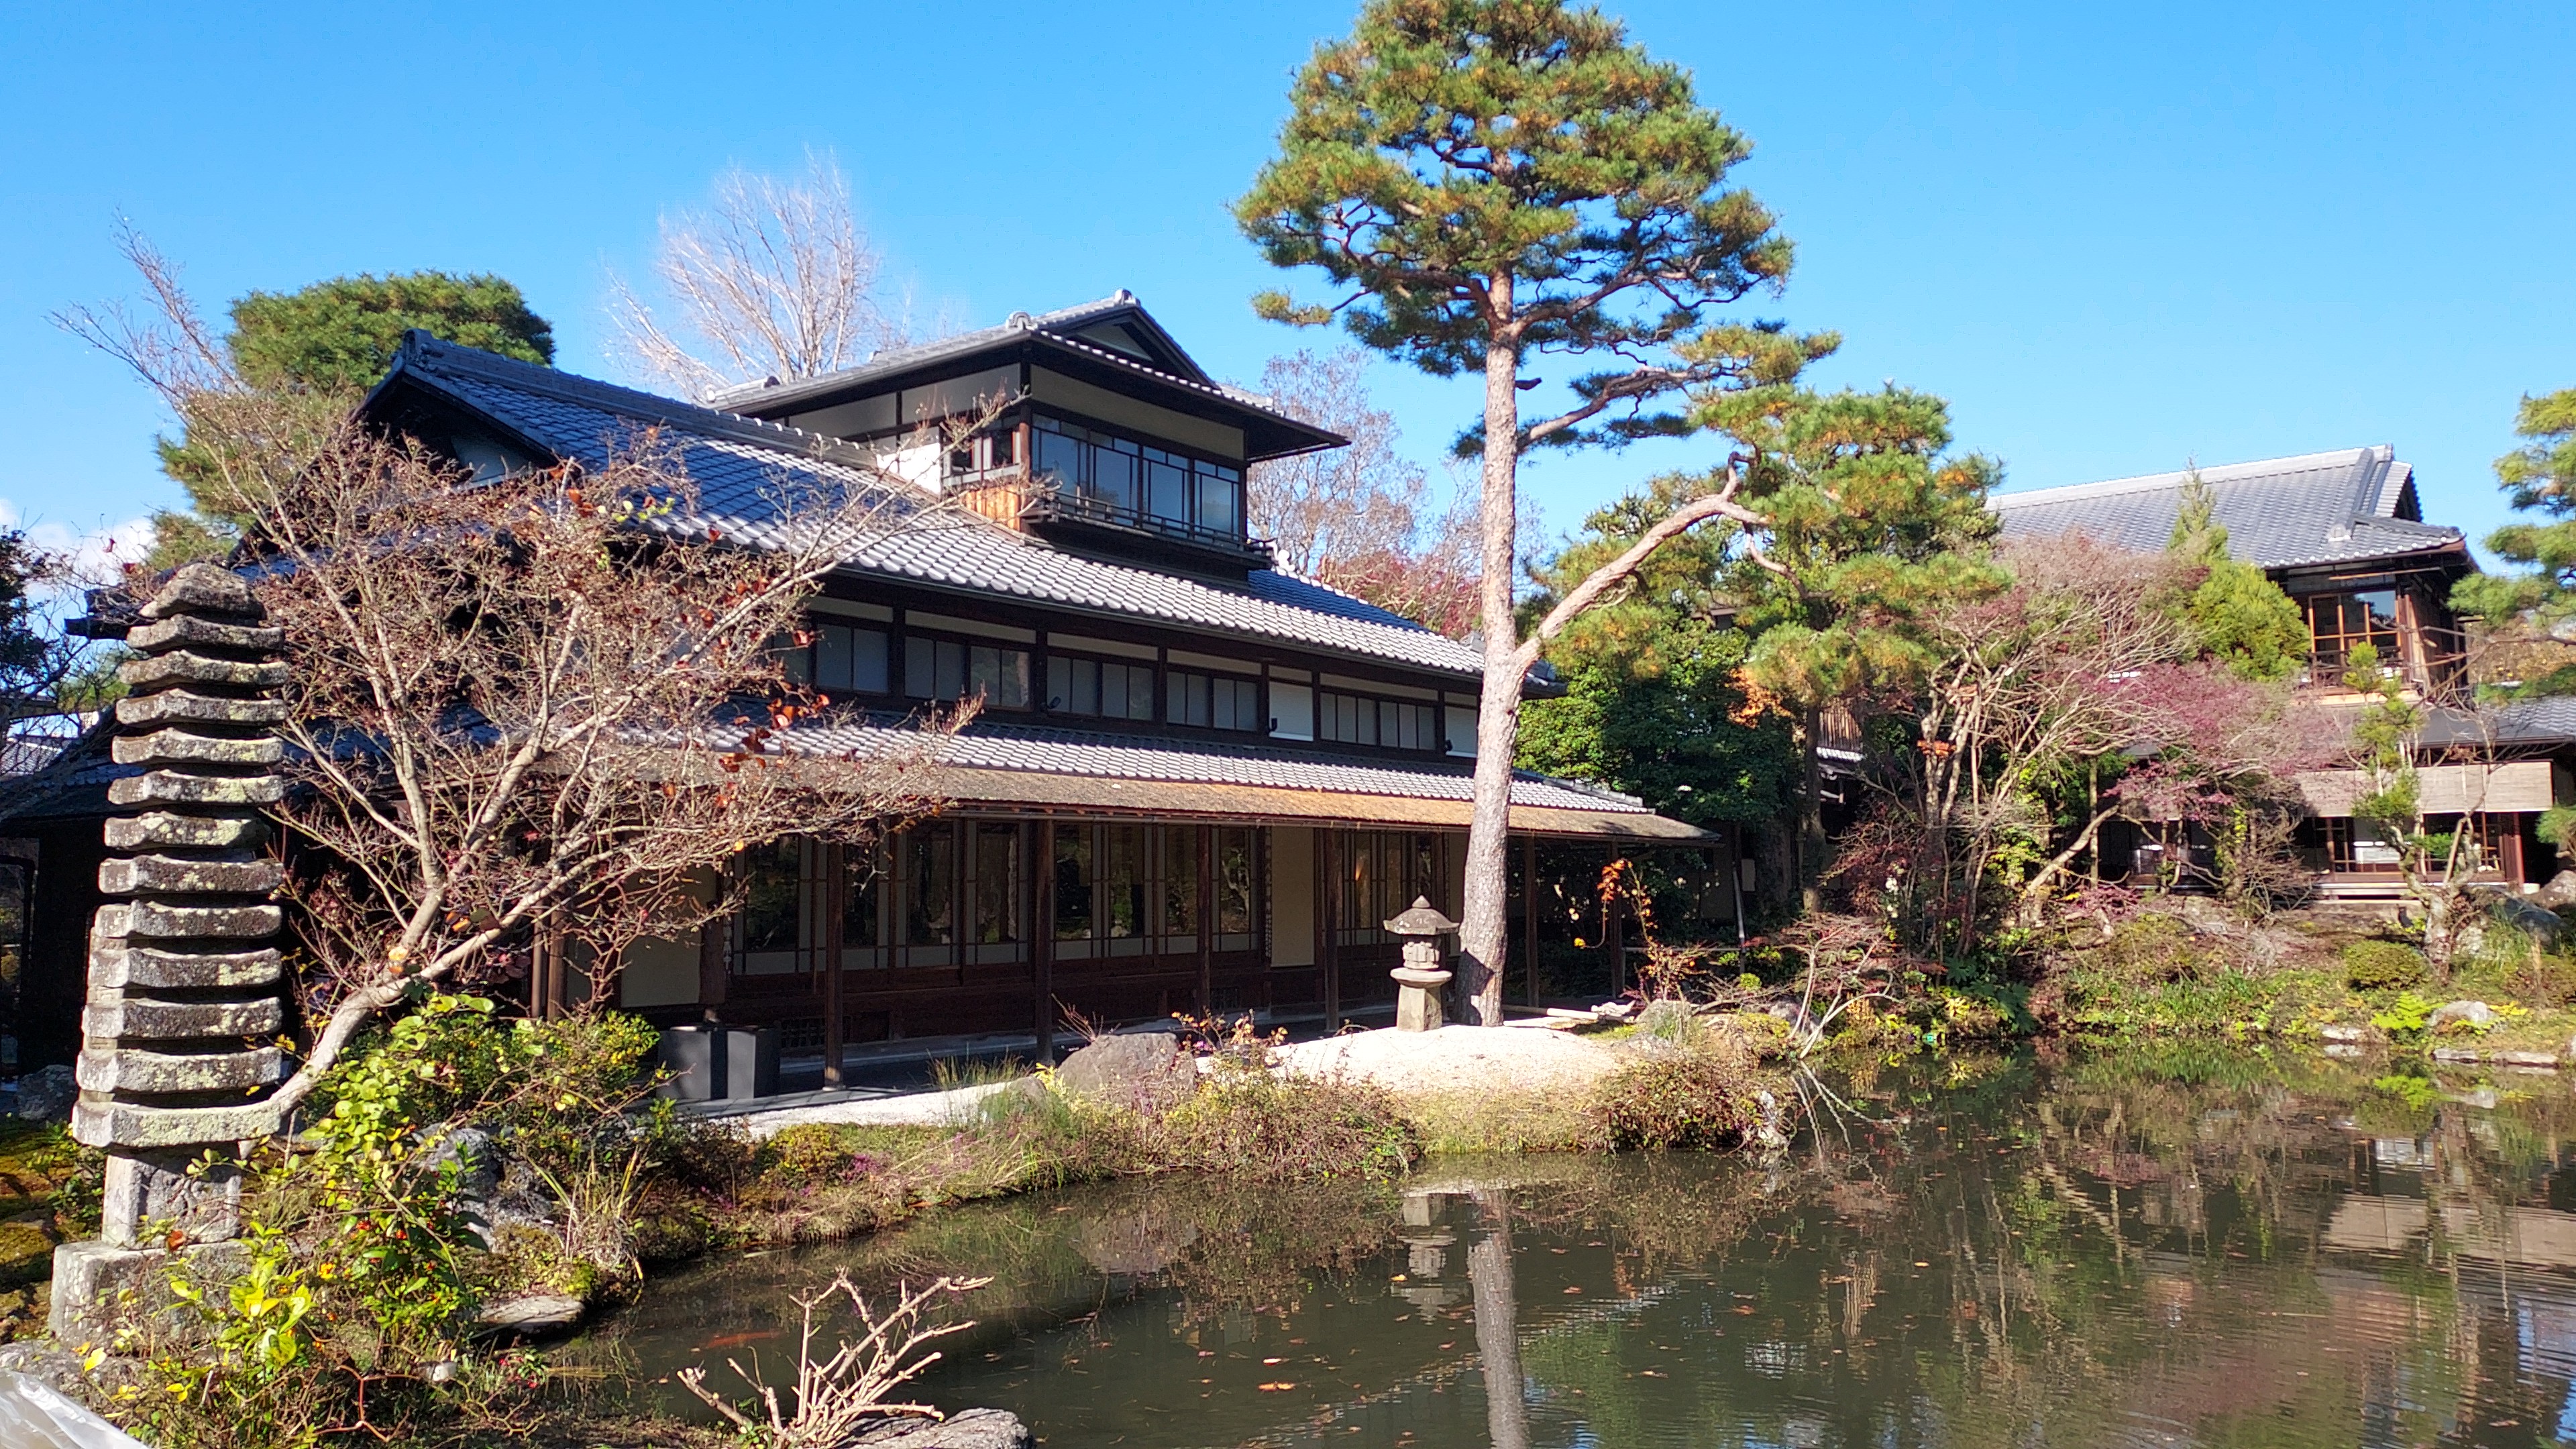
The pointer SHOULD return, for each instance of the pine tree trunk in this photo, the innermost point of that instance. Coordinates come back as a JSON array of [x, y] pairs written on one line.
[[1485, 916]]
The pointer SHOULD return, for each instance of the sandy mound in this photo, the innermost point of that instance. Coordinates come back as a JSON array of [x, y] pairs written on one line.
[[1455, 1059]]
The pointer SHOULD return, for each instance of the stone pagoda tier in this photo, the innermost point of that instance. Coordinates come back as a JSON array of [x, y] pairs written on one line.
[[180, 1036]]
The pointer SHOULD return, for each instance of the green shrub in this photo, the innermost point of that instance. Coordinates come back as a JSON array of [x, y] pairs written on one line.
[[2382, 965], [2147, 950], [1248, 1123], [808, 1152], [1701, 1099]]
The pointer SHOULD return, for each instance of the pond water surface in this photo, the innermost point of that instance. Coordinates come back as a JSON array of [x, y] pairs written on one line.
[[2192, 1250]]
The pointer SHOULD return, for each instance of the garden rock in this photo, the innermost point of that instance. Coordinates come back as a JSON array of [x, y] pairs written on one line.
[[2561, 891], [2476, 1013], [967, 1429], [1145, 1071], [45, 1095], [532, 1314], [2535, 921]]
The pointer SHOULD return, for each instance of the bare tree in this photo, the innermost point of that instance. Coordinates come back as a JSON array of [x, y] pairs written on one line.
[[775, 279], [1363, 519], [2079, 676], [541, 707]]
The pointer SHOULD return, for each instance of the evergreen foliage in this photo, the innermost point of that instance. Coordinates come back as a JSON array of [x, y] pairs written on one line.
[[2236, 613], [1487, 181], [327, 344], [1871, 523], [1653, 703], [2540, 479]]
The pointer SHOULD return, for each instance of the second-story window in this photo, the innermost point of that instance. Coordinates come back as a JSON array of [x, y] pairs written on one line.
[[1108, 688], [1356, 719], [952, 669], [2341, 623], [1135, 483], [851, 659], [1214, 701]]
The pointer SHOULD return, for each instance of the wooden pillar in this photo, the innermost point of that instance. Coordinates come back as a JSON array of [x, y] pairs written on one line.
[[1529, 913], [1206, 835], [1042, 940], [2510, 838], [1328, 918], [835, 905], [714, 939]]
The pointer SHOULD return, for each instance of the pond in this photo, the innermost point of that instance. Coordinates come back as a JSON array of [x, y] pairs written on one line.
[[2200, 1249]]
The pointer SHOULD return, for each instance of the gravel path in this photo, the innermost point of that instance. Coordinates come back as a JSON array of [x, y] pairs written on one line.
[[1456, 1059]]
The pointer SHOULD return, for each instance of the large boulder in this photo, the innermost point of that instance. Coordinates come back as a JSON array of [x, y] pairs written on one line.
[[2475, 1013], [966, 1429], [1142, 1071], [2561, 891], [2526, 915]]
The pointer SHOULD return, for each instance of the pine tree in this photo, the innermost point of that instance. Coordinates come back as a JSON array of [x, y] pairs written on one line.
[[327, 344], [2236, 613], [1869, 522], [1486, 181], [2540, 479]]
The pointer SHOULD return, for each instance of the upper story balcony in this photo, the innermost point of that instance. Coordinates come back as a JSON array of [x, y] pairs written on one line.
[[1060, 478]]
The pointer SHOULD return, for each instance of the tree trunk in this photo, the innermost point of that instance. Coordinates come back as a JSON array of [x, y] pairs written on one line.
[[1498, 1325], [1485, 925], [1811, 820]]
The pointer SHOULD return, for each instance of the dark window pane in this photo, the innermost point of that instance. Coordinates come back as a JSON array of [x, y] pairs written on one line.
[[1123, 879], [868, 661], [1181, 880], [930, 885], [1234, 881], [1061, 457], [1168, 490], [997, 883], [950, 682], [770, 888], [1217, 503], [861, 903], [1113, 478], [1073, 880], [1140, 691]]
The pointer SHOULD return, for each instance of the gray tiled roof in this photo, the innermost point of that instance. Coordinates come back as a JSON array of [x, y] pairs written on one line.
[[741, 465], [1059, 327], [2320, 508], [994, 744]]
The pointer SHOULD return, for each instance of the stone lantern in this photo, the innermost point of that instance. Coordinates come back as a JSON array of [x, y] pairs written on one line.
[[1420, 979]]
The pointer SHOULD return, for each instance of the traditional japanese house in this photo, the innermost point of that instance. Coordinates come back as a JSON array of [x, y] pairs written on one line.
[[2343, 534], [1197, 782]]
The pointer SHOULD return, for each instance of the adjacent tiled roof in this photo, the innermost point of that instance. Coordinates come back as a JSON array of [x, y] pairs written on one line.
[[1059, 327], [997, 744], [2342, 507], [741, 465]]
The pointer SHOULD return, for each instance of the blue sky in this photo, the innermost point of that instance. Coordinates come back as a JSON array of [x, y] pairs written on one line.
[[2114, 237]]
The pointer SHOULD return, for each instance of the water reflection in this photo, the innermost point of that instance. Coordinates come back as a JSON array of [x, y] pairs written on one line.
[[2196, 1250]]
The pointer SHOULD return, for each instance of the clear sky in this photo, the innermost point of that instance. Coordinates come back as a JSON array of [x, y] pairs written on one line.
[[2116, 238]]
